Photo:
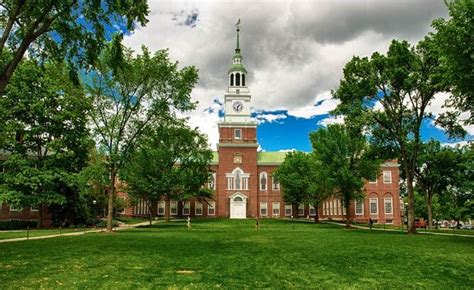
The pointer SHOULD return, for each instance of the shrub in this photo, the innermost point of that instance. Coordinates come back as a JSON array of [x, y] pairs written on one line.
[[17, 225]]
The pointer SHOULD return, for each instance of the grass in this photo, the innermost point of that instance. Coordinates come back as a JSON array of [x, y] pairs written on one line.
[[132, 220], [422, 230], [37, 232], [231, 254]]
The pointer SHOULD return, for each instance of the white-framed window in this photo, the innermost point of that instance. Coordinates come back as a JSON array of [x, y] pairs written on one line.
[[288, 209], [373, 179], [212, 181], [389, 222], [263, 180], [186, 208], [161, 207], [374, 205], [173, 207], [237, 133], [263, 209], [388, 205], [387, 177], [237, 180], [359, 207], [198, 208], [211, 208], [275, 183], [33, 207], [230, 183], [301, 209], [312, 210], [15, 208], [276, 209]]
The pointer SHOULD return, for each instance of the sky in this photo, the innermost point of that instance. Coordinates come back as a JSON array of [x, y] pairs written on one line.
[[294, 51]]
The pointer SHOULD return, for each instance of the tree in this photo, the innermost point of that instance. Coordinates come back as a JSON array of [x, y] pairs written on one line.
[[303, 180], [61, 28], [403, 83], [453, 37], [436, 170], [47, 136], [345, 158], [171, 162], [130, 94]]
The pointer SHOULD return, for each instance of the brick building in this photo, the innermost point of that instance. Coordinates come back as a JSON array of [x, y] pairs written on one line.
[[243, 180]]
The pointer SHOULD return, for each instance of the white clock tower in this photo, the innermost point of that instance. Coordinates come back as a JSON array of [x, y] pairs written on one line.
[[237, 97]]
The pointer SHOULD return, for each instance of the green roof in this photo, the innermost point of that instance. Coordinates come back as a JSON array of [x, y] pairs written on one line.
[[238, 67], [271, 157]]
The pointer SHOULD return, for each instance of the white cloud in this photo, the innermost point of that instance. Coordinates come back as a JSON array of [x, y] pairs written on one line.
[[287, 150], [262, 117], [331, 120]]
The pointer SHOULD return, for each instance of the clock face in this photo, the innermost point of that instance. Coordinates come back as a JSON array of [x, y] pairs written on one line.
[[238, 106]]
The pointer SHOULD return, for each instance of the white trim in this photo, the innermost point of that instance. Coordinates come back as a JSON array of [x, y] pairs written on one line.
[[370, 205], [275, 206], [211, 205], [312, 208], [389, 175], [33, 208], [264, 205], [161, 205], [288, 207], [385, 205], [186, 206], [15, 209], [198, 205], [300, 206], [362, 207], [263, 173], [240, 133], [275, 185], [173, 204]]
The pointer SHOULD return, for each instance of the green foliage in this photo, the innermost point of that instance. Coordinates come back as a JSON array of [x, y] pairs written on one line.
[[47, 139], [454, 39], [172, 161], [130, 96], [52, 29], [344, 159]]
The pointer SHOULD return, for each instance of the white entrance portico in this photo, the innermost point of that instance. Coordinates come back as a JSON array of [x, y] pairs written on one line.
[[238, 206]]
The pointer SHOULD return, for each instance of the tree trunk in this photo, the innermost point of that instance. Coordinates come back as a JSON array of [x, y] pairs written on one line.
[[411, 203], [167, 209], [316, 216], [294, 210], [40, 216], [348, 215], [429, 208], [110, 211]]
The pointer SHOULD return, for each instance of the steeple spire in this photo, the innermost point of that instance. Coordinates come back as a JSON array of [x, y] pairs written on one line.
[[237, 25]]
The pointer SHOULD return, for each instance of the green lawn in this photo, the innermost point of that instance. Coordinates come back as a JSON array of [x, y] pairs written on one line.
[[36, 233], [231, 254]]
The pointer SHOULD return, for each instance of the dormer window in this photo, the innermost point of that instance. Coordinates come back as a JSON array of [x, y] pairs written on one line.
[[238, 134]]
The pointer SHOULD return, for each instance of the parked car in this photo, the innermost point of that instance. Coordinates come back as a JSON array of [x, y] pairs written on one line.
[[467, 227]]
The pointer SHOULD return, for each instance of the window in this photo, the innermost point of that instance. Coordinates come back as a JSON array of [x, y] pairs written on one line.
[[243, 80], [173, 207], [263, 180], [237, 133], [232, 79], [33, 207], [301, 209], [287, 209], [263, 209], [275, 183], [211, 208], [312, 210], [276, 209], [15, 208], [389, 222], [212, 181], [161, 207], [230, 183], [359, 207], [197, 208], [237, 79], [237, 180], [374, 206], [388, 205], [387, 177], [186, 208]]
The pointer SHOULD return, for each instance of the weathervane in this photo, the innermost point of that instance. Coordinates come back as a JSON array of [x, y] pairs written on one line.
[[238, 29]]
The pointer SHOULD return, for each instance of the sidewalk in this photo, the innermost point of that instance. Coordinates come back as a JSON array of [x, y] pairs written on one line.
[[394, 230], [119, 228]]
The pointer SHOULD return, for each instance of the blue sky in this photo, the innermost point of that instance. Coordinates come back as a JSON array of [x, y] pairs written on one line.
[[294, 51]]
